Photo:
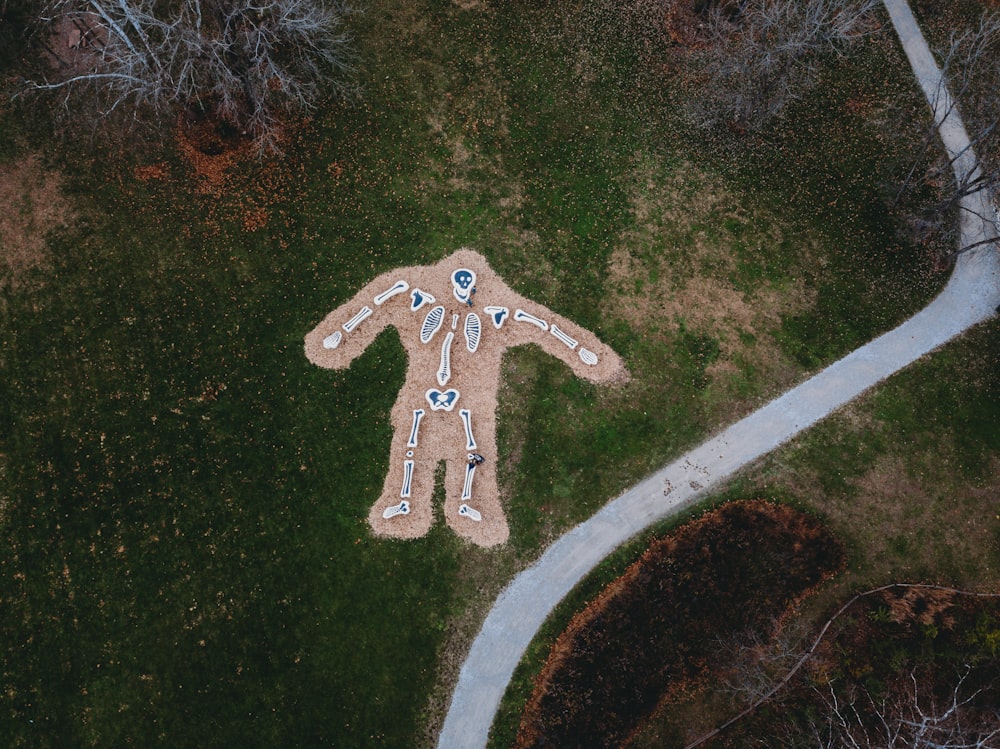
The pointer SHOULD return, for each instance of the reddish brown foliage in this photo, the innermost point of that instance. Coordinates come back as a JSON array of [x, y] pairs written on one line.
[[212, 150], [149, 172], [681, 23], [238, 184], [658, 625]]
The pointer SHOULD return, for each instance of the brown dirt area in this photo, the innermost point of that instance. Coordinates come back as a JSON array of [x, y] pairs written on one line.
[[476, 377], [31, 205]]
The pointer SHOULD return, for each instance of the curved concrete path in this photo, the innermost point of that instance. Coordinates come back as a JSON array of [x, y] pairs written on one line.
[[971, 296]]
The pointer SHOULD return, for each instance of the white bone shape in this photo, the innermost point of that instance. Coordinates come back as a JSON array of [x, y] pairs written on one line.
[[498, 314], [467, 512], [432, 324], [473, 329], [407, 478], [418, 414], [588, 357], [333, 340], [403, 508], [355, 321], [470, 472], [397, 288], [442, 401], [521, 316], [470, 441], [444, 371], [420, 298], [571, 342]]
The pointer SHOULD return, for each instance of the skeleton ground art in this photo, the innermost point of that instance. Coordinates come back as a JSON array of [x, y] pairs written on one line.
[[455, 319]]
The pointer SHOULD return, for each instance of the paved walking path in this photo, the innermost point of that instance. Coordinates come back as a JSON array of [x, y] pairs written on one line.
[[971, 296]]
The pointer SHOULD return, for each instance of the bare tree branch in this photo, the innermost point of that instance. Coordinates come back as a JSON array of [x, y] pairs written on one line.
[[838, 715], [910, 717], [246, 61], [760, 57], [970, 66]]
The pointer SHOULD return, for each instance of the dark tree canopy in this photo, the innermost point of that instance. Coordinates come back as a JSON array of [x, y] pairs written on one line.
[[754, 57], [245, 62], [970, 76]]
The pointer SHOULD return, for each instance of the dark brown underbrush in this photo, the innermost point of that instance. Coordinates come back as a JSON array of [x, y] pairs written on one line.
[[907, 665], [652, 632]]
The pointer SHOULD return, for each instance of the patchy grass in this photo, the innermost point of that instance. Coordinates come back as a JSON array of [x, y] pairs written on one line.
[[910, 473], [183, 554], [705, 263], [31, 207]]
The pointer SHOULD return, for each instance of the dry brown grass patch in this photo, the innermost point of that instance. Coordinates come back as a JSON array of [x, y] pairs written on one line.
[[31, 205], [909, 512], [676, 268], [922, 605], [954, 524]]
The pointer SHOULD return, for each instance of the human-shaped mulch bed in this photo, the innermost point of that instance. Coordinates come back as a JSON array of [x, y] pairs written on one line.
[[455, 319]]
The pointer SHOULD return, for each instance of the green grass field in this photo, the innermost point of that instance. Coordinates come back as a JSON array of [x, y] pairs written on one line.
[[184, 557]]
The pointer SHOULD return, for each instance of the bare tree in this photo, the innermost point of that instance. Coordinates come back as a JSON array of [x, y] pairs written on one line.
[[760, 658], [908, 717], [758, 56], [970, 67], [245, 61], [757, 661]]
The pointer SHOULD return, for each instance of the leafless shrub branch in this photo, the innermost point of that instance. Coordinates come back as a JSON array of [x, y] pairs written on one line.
[[761, 56], [245, 61], [908, 717], [970, 66]]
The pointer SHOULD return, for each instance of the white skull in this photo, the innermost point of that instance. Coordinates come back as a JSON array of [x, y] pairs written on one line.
[[463, 282]]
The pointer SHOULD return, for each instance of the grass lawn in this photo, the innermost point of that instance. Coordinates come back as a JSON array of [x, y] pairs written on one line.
[[184, 558], [908, 477]]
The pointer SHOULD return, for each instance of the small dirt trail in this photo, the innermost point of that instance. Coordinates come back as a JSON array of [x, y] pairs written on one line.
[[971, 295]]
